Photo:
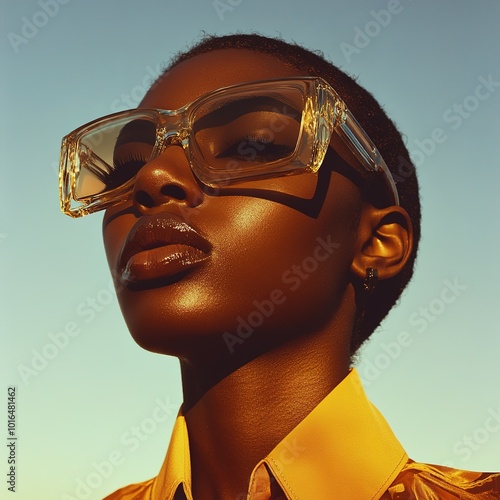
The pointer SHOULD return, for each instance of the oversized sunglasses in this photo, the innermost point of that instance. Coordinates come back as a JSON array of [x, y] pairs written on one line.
[[234, 134]]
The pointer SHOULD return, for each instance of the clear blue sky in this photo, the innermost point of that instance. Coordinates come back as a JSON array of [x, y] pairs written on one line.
[[433, 367]]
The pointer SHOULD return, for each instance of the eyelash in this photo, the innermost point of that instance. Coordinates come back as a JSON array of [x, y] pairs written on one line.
[[122, 168], [130, 157]]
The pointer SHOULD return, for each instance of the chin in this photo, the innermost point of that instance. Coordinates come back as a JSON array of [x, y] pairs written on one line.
[[166, 321]]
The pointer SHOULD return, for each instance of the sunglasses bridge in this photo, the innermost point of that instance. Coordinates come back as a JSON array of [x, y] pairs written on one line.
[[174, 135]]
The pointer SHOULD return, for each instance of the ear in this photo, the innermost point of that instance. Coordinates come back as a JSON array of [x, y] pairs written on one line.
[[385, 240]]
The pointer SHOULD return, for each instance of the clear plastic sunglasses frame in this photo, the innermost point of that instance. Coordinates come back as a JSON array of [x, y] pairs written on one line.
[[322, 114]]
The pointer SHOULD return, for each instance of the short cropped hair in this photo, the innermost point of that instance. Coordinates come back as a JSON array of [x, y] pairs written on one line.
[[370, 311]]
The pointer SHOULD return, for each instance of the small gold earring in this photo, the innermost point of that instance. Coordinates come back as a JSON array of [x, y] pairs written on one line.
[[370, 282]]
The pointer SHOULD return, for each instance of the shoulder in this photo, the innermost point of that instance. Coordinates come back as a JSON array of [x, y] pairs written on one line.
[[417, 480], [138, 491]]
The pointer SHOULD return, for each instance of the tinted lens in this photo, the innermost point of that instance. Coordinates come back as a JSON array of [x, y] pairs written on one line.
[[245, 133], [112, 153]]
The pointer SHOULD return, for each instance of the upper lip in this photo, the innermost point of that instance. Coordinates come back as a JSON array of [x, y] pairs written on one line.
[[157, 231]]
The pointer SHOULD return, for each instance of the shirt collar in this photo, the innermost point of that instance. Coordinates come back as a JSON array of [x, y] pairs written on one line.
[[343, 447]]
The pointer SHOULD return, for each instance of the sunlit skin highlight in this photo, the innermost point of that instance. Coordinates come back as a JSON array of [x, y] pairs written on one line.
[[258, 230]]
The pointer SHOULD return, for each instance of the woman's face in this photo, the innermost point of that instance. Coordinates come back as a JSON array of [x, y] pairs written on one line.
[[268, 259]]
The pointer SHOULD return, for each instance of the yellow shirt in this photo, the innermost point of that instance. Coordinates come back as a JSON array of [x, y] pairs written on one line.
[[344, 449]]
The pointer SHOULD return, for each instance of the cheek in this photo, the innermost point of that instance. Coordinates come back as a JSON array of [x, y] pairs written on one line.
[[280, 263], [297, 267], [310, 258]]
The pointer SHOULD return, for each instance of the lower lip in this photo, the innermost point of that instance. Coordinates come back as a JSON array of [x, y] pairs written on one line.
[[161, 262]]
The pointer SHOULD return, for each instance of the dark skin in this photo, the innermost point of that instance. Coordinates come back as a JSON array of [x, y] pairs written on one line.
[[258, 231]]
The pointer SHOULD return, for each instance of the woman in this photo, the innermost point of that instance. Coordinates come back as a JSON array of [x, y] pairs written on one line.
[[257, 234]]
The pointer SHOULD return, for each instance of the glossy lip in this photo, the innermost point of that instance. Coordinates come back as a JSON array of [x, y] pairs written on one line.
[[160, 247]]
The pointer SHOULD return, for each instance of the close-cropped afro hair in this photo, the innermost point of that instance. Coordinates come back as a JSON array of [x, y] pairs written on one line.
[[382, 131]]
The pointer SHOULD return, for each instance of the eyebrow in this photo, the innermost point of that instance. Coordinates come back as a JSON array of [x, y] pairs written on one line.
[[232, 108]]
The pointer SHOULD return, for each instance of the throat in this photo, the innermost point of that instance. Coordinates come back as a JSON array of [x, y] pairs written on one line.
[[239, 421]]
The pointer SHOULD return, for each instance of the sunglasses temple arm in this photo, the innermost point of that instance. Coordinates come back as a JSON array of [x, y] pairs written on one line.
[[356, 139]]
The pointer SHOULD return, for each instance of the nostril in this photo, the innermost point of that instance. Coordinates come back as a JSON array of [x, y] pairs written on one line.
[[169, 192], [144, 199], [173, 191]]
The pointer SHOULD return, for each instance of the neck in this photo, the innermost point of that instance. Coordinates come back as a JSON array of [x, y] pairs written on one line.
[[239, 420]]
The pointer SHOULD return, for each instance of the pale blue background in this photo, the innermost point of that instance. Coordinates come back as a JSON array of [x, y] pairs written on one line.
[[80, 407]]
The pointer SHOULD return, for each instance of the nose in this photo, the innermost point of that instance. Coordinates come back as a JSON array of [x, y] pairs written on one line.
[[166, 181]]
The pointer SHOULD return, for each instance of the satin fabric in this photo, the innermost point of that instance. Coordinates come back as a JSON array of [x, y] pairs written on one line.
[[436, 482]]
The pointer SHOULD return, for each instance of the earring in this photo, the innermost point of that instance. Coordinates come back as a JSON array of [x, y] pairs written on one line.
[[370, 282]]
